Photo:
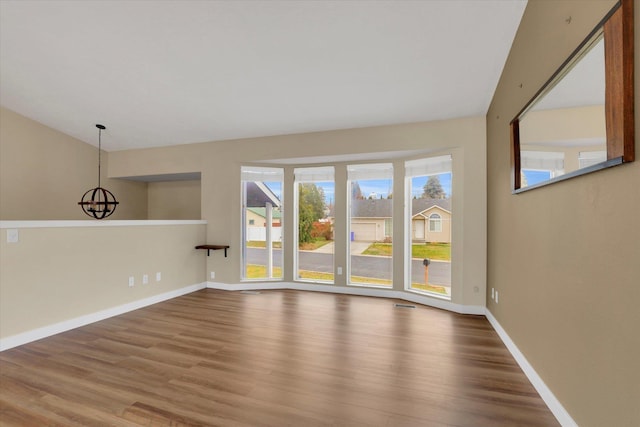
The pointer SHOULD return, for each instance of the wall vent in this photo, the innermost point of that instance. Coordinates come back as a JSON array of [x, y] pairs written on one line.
[[404, 305]]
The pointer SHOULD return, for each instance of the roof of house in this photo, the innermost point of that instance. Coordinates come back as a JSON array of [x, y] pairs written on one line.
[[382, 208], [421, 205], [258, 194], [275, 213]]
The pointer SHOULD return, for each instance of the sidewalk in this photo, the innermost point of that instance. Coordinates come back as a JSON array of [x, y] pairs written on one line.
[[356, 248]]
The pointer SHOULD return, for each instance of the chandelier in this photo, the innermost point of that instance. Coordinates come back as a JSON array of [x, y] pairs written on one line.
[[98, 202]]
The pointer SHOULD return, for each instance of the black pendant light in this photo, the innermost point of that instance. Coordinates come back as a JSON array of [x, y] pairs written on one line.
[[99, 202]]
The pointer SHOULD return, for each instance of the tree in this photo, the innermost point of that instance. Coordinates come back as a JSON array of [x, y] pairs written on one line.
[[310, 209], [433, 189], [356, 192]]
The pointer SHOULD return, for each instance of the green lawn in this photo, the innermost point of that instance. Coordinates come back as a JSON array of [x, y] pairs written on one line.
[[263, 244], [259, 271], [319, 242], [435, 251]]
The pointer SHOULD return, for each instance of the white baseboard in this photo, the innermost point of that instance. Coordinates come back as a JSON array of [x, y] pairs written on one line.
[[545, 393], [56, 328], [353, 290]]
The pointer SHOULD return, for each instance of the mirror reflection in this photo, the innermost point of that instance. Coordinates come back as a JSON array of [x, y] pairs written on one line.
[[564, 130]]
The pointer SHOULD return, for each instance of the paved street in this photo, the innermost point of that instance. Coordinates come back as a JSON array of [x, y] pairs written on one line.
[[361, 265]]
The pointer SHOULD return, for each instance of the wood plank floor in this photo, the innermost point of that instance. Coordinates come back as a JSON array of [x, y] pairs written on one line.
[[280, 358]]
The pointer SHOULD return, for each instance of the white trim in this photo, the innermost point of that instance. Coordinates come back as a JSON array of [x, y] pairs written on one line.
[[428, 166], [351, 290], [65, 325], [545, 393], [95, 223]]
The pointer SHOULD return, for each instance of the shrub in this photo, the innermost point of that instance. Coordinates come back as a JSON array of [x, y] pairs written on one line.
[[322, 229]]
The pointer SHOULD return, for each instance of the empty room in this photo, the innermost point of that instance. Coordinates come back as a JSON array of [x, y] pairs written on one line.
[[319, 213]]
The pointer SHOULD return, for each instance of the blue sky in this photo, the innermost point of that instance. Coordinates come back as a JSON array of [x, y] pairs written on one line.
[[534, 177], [381, 187]]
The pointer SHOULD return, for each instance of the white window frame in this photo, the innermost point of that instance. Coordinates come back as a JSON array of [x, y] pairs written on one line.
[[359, 172], [413, 168], [260, 174], [308, 175]]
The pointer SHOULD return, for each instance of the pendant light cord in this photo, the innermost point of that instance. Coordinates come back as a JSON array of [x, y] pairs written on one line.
[[99, 153]]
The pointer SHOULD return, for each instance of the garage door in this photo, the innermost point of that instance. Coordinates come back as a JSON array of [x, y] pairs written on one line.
[[363, 231]]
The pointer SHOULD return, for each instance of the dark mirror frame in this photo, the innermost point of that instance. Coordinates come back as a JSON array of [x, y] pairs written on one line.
[[617, 27]]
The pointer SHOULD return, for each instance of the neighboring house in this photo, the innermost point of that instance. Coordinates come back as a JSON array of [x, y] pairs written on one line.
[[371, 220], [430, 220], [257, 217]]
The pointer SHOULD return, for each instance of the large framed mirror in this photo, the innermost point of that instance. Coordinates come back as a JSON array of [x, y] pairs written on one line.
[[582, 119]]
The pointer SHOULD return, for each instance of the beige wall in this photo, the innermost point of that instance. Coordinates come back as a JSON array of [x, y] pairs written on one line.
[[174, 200], [56, 274], [44, 173], [565, 258], [563, 124], [219, 163]]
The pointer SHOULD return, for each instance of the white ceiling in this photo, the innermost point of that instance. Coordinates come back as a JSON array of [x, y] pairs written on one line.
[[161, 73]]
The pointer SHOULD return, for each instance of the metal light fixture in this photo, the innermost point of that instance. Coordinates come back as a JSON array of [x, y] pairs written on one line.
[[99, 202]]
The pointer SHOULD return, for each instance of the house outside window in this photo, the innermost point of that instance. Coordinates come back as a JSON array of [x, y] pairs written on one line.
[[370, 224], [429, 217]]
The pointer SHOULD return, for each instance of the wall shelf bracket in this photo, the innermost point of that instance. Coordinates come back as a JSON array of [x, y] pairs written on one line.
[[214, 248]]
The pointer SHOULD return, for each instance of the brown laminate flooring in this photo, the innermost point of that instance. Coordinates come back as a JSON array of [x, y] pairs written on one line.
[[280, 358]]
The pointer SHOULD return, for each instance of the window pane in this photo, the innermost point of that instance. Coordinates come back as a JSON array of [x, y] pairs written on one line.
[[370, 224], [315, 196], [262, 223], [429, 182]]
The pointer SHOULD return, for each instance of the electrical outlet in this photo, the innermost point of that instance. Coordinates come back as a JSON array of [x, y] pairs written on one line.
[[158, 276], [213, 274], [496, 297], [339, 271], [132, 281], [145, 279], [12, 235]]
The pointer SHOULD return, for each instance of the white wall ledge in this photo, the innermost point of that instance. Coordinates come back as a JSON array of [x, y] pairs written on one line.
[[95, 223]]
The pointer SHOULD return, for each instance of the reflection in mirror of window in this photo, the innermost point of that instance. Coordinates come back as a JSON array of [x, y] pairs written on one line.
[[262, 222], [429, 197], [568, 120], [590, 158], [315, 196]]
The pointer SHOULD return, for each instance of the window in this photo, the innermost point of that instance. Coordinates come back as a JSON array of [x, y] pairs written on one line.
[[590, 158], [429, 213], [540, 166], [314, 190], [370, 224], [262, 204], [435, 223]]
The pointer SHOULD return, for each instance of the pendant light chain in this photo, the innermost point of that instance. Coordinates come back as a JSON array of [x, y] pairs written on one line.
[[99, 202]]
